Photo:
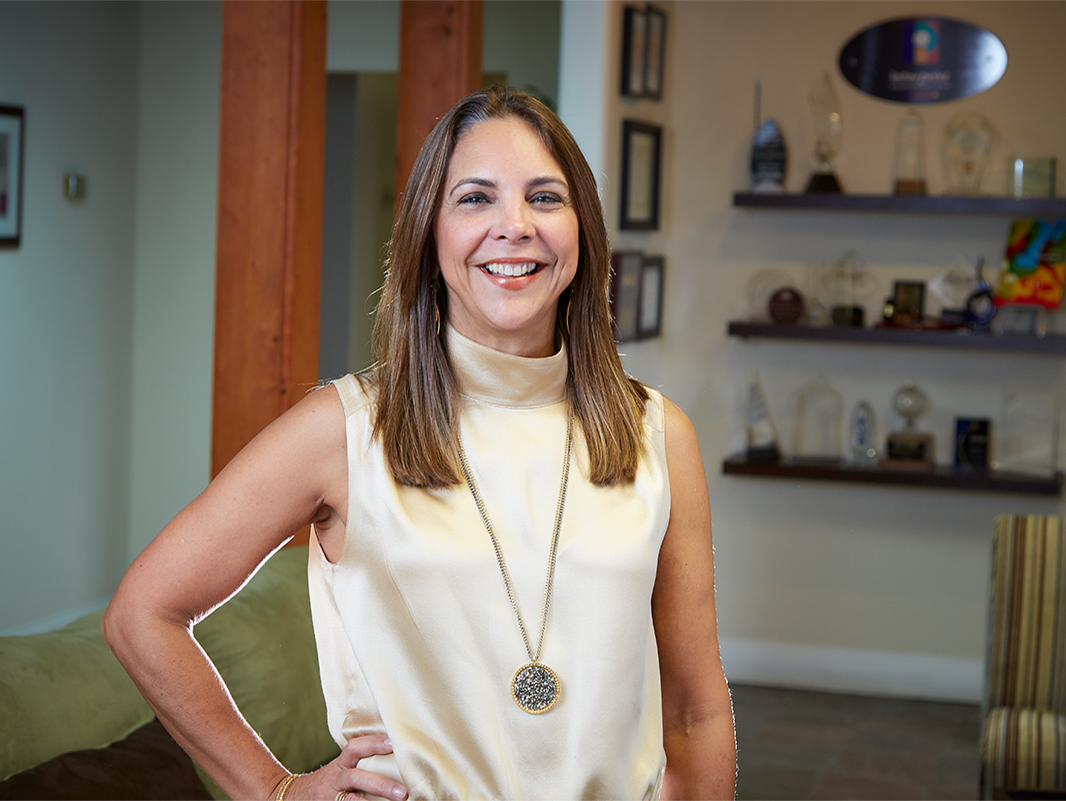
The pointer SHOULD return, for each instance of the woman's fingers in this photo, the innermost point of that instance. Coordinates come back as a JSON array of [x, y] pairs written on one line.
[[343, 780], [361, 747]]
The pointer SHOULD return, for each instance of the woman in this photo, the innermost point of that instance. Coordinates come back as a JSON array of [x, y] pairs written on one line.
[[511, 569]]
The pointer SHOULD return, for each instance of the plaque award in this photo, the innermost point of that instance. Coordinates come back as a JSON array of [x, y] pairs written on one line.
[[972, 443], [909, 449], [968, 141], [761, 434], [910, 155], [827, 133]]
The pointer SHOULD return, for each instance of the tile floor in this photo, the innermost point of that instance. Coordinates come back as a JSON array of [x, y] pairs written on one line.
[[794, 744]]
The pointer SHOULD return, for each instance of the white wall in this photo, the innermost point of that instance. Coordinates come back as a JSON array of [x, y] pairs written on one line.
[[66, 307], [174, 283], [873, 588], [106, 310]]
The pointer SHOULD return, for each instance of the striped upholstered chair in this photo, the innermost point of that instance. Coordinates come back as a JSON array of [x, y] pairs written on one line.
[[1023, 737]]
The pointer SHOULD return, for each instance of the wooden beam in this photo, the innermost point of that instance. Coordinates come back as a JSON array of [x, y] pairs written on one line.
[[269, 239], [440, 62]]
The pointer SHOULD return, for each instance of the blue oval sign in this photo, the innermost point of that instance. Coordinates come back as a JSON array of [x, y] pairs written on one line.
[[923, 60]]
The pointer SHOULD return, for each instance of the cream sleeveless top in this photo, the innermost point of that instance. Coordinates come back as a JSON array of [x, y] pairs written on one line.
[[417, 639]]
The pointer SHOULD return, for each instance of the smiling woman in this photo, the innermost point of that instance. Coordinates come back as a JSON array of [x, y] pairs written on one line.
[[497, 437], [506, 238]]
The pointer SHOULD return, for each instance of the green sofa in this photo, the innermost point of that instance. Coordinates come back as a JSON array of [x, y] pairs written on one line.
[[73, 725]]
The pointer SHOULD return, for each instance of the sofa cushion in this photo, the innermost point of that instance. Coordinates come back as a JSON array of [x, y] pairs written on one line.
[[146, 765], [63, 691]]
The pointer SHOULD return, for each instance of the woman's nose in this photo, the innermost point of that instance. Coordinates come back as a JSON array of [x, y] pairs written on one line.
[[513, 223]]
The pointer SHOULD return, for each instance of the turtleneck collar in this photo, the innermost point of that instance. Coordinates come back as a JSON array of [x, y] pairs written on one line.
[[500, 379]]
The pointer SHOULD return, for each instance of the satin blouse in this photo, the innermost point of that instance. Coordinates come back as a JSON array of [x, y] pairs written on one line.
[[416, 636]]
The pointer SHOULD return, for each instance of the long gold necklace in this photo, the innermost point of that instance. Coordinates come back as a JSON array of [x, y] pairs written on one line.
[[534, 686]]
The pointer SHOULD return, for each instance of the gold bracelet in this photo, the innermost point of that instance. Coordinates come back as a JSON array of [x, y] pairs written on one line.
[[285, 786]]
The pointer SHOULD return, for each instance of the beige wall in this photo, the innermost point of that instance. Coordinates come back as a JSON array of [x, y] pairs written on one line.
[[846, 586]]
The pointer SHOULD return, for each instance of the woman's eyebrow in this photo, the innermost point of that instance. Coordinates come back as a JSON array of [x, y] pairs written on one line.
[[547, 179], [474, 181]]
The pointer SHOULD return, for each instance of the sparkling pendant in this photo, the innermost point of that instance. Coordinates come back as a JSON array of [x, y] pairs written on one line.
[[535, 688]]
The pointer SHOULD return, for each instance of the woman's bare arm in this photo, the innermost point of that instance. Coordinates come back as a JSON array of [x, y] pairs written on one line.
[[293, 473], [698, 727]]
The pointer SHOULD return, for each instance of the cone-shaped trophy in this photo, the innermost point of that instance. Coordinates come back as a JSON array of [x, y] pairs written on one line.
[[762, 436]]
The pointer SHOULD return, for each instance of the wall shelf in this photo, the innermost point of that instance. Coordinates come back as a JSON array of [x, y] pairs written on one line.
[[940, 477], [1016, 343], [913, 204]]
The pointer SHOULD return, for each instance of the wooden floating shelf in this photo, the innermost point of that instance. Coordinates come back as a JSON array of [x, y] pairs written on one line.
[[912, 204], [940, 477], [963, 338]]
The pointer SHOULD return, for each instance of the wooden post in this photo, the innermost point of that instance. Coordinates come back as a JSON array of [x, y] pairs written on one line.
[[440, 62], [269, 242]]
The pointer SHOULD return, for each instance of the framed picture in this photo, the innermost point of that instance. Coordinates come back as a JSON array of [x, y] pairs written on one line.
[[655, 53], [11, 148], [634, 47], [636, 295], [651, 297], [641, 160]]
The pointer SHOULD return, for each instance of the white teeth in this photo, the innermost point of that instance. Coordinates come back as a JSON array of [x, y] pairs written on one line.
[[511, 269]]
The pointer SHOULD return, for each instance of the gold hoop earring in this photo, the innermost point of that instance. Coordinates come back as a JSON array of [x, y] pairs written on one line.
[[433, 287], [569, 303]]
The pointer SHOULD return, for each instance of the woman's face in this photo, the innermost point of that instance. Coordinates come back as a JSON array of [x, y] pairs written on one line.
[[507, 238]]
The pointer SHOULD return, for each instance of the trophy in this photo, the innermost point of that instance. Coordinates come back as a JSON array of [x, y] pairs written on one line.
[[909, 449], [769, 154], [761, 434], [845, 284], [826, 110], [910, 155], [968, 140]]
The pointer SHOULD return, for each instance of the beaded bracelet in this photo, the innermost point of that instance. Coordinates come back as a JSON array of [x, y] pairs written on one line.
[[285, 786]]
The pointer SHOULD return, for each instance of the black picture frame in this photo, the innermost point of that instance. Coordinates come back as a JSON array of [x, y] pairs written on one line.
[[634, 50], [636, 295], [641, 175], [12, 148], [654, 53]]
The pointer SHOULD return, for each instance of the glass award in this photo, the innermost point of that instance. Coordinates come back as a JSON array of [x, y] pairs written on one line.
[[910, 155], [862, 436], [968, 140], [952, 288], [845, 285], [1027, 436], [769, 159], [761, 434], [819, 423], [827, 135]]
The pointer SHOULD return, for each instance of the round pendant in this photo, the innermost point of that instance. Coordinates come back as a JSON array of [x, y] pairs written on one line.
[[535, 688]]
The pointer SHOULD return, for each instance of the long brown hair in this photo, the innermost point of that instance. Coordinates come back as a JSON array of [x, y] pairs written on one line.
[[416, 391]]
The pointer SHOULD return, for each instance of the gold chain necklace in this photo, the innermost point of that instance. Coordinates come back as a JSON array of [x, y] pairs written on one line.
[[534, 686]]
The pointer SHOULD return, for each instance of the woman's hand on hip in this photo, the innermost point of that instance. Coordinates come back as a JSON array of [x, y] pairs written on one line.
[[343, 776]]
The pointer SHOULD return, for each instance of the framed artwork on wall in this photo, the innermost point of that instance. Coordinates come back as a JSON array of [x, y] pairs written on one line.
[[641, 171], [636, 294], [11, 149], [643, 51], [634, 38], [655, 54]]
